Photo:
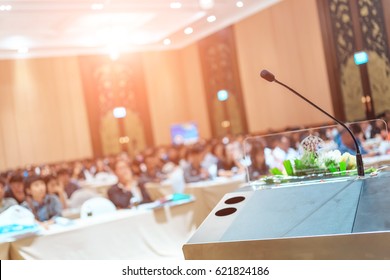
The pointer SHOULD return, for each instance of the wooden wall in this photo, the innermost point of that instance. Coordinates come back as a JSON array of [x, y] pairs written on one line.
[[42, 112], [349, 26], [109, 84], [220, 73], [288, 44]]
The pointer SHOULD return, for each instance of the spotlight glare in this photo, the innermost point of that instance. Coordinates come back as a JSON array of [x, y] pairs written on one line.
[[175, 5], [97, 6], [211, 18], [188, 30]]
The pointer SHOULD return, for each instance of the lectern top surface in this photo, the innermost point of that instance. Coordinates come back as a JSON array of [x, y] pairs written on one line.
[[321, 208]]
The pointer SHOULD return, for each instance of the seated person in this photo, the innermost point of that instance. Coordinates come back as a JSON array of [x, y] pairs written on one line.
[[209, 158], [102, 167], [55, 187], [127, 192], [5, 202], [193, 171], [258, 167], [15, 189], [173, 155], [79, 172], [44, 206], [229, 165], [152, 171], [283, 151], [64, 178], [346, 143]]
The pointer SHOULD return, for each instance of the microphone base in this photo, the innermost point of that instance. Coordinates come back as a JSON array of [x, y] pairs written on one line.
[[359, 165]]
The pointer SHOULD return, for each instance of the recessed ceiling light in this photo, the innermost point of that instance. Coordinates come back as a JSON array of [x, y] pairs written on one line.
[[206, 4], [167, 42], [113, 52], [5, 7], [175, 5], [97, 6], [240, 4], [119, 112], [188, 30], [23, 50], [114, 55], [211, 18]]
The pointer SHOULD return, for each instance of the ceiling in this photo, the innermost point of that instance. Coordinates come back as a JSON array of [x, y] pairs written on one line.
[[31, 28]]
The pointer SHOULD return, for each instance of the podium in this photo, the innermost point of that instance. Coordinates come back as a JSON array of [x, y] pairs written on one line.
[[329, 217], [341, 218]]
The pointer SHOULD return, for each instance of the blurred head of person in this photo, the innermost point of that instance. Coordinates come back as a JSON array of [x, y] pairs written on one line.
[[36, 188], [16, 185], [2, 188], [63, 176], [195, 156], [54, 186], [122, 171]]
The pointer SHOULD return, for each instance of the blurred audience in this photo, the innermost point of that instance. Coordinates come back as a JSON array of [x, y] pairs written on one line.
[[16, 188], [204, 160], [55, 187], [5, 202], [64, 178], [44, 206], [193, 171], [229, 162], [127, 192], [258, 166]]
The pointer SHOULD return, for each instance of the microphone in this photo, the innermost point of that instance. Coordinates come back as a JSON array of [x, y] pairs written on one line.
[[265, 74]]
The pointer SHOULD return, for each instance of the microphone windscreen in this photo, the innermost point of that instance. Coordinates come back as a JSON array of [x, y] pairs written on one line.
[[265, 74]]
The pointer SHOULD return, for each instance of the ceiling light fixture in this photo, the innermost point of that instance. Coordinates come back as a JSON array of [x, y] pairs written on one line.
[[206, 4], [211, 18], [119, 112], [167, 41], [23, 50], [240, 4], [97, 6], [188, 30], [113, 52], [175, 5], [5, 8]]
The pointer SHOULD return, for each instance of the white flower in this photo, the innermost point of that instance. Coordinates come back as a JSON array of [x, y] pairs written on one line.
[[327, 156], [349, 159]]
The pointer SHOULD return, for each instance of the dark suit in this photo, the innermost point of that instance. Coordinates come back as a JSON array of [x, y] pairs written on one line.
[[121, 197]]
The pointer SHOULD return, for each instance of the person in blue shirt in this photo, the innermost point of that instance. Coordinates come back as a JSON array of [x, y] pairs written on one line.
[[346, 144], [44, 206]]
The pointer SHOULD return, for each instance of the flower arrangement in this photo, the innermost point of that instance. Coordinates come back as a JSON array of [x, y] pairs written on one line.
[[310, 163], [315, 162]]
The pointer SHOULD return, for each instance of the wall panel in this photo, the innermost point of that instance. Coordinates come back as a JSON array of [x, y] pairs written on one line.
[[166, 92], [194, 90], [288, 44], [43, 117]]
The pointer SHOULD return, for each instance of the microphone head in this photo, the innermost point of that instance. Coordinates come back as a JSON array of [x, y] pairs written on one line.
[[265, 74]]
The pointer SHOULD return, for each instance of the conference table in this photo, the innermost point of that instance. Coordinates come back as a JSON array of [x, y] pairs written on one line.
[[141, 233], [208, 193], [4, 250]]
